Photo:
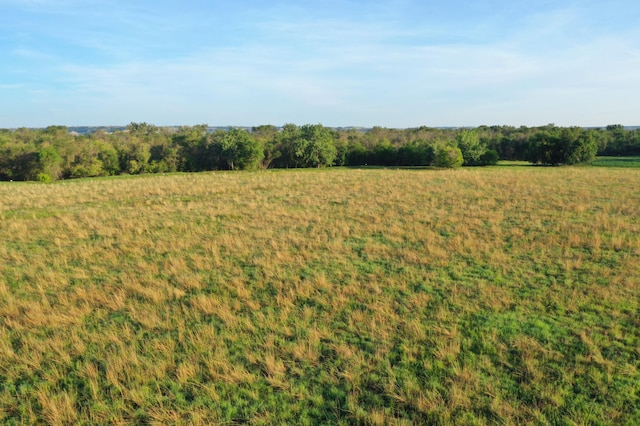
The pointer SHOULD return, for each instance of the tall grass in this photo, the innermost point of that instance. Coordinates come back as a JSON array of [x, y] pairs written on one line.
[[506, 295]]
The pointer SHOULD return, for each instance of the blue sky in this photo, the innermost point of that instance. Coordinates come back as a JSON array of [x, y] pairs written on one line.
[[400, 63]]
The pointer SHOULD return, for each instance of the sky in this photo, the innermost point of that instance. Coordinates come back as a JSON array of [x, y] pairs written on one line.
[[390, 63]]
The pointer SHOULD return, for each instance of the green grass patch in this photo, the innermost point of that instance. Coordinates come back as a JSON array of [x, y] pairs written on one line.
[[616, 162]]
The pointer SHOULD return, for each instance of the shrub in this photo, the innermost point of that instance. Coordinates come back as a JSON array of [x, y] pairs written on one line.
[[448, 157], [489, 158], [44, 178]]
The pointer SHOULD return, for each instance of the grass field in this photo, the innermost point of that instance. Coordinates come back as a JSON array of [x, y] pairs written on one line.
[[477, 296], [617, 162]]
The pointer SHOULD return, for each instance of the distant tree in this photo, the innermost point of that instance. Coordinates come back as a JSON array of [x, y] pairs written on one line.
[[546, 147], [621, 141], [357, 154], [287, 146], [582, 146], [633, 142], [239, 150], [601, 138], [24, 135], [417, 153], [49, 164], [19, 161], [142, 130], [193, 148], [268, 137], [471, 146], [489, 158], [449, 157], [616, 133], [509, 142], [91, 168], [108, 156], [342, 147], [384, 153], [316, 146], [555, 146], [164, 157], [134, 157]]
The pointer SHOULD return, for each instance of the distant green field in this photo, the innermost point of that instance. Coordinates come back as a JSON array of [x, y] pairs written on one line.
[[513, 163], [617, 162], [497, 295]]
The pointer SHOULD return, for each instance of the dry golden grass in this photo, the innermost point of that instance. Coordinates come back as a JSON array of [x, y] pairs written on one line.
[[502, 295]]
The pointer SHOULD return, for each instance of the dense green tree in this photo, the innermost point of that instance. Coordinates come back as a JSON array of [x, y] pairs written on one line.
[[601, 138], [615, 140], [19, 161], [134, 156], [144, 131], [50, 163], [85, 159], [449, 157], [357, 154], [489, 158], [193, 148], [239, 150], [316, 146], [621, 142], [546, 148], [91, 168], [471, 146], [108, 155], [342, 147], [509, 142], [286, 145], [418, 153], [384, 153], [164, 157], [269, 137], [582, 145], [570, 145], [633, 142]]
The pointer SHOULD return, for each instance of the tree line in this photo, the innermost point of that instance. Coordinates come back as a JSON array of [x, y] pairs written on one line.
[[54, 153]]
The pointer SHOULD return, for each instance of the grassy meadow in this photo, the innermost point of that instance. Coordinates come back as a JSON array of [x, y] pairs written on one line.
[[616, 162], [506, 295]]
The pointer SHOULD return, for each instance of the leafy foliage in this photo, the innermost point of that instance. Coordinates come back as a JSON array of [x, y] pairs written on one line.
[[239, 150], [556, 146], [143, 148], [448, 157], [471, 146]]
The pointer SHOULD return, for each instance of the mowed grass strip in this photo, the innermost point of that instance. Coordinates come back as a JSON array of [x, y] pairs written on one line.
[[476, 296], [617, 162]]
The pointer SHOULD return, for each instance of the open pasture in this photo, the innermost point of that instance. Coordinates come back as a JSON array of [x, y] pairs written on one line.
[[616, 162], [477, 296]]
